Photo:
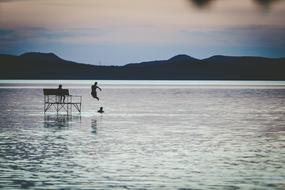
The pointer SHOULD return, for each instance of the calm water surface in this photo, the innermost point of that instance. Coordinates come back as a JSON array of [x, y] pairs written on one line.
[[151, 137]]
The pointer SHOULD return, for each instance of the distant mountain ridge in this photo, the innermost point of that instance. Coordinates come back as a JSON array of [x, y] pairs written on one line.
[[180, 67]]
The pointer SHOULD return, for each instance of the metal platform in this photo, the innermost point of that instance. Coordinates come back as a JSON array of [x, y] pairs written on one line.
[[60, 100]]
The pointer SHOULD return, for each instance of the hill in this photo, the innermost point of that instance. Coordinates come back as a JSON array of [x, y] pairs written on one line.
[[180, 67]]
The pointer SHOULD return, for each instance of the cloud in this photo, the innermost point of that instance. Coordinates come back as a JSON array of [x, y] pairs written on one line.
[[21, 34], [258, 35], [7, 35], [44, 34], [5, 32]]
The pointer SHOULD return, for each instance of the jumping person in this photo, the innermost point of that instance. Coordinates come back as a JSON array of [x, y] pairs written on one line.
[[94, 88]]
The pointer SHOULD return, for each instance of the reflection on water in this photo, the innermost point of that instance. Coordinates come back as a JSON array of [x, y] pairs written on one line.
[[150, 138], [60, 120], [94, 125]]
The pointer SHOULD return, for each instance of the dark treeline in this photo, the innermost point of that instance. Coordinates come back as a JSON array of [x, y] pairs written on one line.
[[181, 67]]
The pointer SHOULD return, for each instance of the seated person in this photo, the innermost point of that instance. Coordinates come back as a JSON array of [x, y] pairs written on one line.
[[61, 96]]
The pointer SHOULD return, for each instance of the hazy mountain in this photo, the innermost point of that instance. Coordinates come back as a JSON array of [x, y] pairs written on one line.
[[180, 67]]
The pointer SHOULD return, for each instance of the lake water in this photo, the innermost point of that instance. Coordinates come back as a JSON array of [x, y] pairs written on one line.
[[160, 135]]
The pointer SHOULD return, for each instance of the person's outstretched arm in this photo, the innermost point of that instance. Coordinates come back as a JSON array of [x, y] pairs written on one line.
[[99, 88]]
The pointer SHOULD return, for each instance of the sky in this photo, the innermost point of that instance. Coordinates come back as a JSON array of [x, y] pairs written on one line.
[[118, 32]]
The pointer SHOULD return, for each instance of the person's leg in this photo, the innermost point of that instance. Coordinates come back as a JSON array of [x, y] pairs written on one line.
[[94, 94]]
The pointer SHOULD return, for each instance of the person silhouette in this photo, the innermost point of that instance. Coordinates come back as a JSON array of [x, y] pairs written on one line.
[[100, 110], [94, 88], [60, 92]]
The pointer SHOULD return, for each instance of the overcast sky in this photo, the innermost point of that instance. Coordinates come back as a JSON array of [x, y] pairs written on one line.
[[117, 32]]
